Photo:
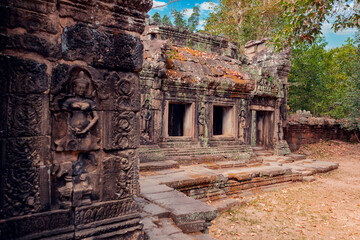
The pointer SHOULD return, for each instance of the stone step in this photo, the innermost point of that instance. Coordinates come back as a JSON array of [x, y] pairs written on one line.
[[230, 164], [263, 153], [189, 215], [224, 205], [296, 157], [158, 165], [258, 148]]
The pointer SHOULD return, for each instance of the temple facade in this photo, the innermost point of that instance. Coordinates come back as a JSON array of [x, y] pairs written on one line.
[[202, 98]]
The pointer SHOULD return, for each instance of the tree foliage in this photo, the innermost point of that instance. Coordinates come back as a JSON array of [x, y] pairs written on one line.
[[194, 19], [245, 20], [325, 82], [178, 18], [287, 22], [302, 20], [166, 20], [156, 17]]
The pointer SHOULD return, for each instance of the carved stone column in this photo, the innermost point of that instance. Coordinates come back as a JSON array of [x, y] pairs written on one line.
[[70, 109]]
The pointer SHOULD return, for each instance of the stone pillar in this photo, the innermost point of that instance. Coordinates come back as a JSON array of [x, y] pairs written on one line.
[[70, 102]]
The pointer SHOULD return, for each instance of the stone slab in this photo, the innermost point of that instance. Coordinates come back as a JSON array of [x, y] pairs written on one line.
[[156, 188], [158, 165], [227, 204], [156, 211]]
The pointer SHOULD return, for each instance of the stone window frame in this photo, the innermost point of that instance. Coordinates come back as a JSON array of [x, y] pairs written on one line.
[[189, 137], [234, 125]]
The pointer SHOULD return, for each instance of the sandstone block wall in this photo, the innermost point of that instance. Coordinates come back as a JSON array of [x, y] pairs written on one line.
[[301, 130], [69, 87]]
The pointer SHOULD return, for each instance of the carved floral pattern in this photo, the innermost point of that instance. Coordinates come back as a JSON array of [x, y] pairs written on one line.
[[118, 177], [22, 177]]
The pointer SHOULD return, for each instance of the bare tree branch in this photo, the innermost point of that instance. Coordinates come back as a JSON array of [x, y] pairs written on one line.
[[170, 2]]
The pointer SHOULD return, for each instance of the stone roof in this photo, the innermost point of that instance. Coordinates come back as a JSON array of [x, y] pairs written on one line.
[[195, 67]]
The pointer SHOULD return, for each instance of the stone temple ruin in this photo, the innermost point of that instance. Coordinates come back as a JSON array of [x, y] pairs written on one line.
[[198, 92], [113, 130]]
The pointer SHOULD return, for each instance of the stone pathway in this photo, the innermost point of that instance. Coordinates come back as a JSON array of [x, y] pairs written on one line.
[[181, 202]]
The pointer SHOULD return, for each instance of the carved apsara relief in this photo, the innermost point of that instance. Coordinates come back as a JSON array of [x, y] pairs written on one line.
[[146, 117], [242, 121], [201, 121], [78, 108]]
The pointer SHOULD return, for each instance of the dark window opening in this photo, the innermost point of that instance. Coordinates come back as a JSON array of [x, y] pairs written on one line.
[[218, 120], [176, 119], [152, 36]]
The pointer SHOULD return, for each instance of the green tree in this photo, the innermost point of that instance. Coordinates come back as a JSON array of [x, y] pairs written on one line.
[[166, 20], [351, 101], [156, 17], [178, 18], [245, 20], [193, 20], [325, 82], [303, 19]]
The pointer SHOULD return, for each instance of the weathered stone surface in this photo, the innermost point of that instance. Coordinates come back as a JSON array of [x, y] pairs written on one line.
[[121, 129], [57, 223], [21, 159], [119, 175], [27, 115], [70, 109], [31, 43], [22, 76], [302, 129], [160, 165], [112, 50], [32, 21]]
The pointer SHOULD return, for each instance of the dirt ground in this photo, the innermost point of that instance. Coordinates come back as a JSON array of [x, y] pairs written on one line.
[[328, 208]]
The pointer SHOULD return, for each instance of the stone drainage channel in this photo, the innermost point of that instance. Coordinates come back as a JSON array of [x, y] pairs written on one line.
[[180, 203]]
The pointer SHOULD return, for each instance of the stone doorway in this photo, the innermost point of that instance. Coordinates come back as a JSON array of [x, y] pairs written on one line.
[[263, 128]]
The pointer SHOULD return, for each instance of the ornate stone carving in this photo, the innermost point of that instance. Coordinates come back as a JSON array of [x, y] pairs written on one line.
[[146, 115], [106, 210], [23, 76], [201, 120], [120, 89], [79, 109], [267, 85], [121, 130], [57, 221], [261, 101], [242, 126], [118, 176], [76, 180], [21, 178], [112, 50], [27, 115]]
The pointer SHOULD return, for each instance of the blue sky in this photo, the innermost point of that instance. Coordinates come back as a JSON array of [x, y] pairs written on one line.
[[333, 39]]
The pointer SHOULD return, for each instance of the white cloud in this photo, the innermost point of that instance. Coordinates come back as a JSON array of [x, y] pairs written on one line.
[[349, 31], [157, 4], [326, 29], [201, 25], [187, 12], [206, 6]]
